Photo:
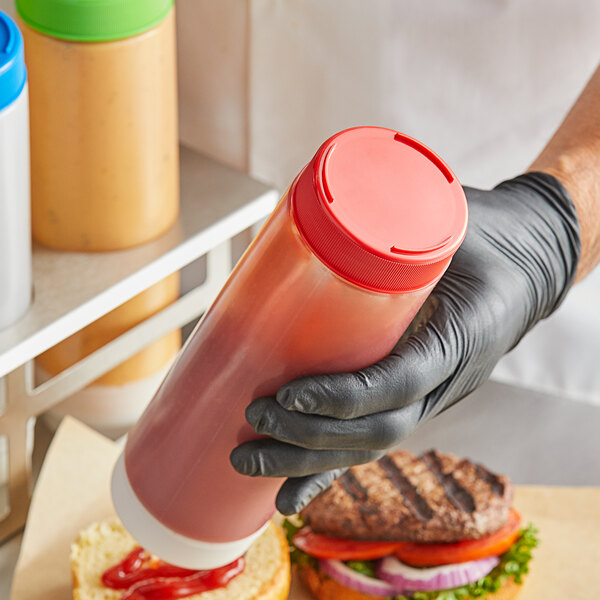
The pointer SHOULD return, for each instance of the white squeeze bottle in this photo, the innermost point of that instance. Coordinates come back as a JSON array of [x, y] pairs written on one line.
[[15, 221]]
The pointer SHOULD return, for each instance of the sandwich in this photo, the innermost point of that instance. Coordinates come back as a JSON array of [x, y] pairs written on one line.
[[107, 564], [432, 527]]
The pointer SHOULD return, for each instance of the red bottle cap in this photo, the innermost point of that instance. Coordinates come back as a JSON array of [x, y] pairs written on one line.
[[380, 209]]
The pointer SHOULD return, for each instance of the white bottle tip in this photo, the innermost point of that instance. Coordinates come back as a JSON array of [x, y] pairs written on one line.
[[158, 539]]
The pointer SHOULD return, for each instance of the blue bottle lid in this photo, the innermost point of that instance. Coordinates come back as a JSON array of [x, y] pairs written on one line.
[[12, 61]]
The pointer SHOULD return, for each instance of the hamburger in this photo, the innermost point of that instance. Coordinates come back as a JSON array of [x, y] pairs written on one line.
[[429, 527], [107, 564]]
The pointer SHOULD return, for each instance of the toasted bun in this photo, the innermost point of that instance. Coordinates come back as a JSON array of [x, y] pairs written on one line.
[[102, 545], [325, 588]]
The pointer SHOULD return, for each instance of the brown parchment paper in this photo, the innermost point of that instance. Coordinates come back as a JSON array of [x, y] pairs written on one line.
[[73, 490]]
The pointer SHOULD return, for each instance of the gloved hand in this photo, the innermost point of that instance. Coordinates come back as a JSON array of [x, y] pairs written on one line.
[[514, 267]]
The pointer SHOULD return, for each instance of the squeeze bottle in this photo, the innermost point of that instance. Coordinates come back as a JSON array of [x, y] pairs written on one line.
[[104, 172], [330, 283], [104, 140], [15, 227]]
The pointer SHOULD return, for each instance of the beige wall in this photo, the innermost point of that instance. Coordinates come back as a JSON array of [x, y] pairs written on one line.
[[212, 67], [7, 6]]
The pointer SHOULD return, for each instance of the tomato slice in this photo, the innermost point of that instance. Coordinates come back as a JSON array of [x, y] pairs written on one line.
[[425, 555], [323, 546]]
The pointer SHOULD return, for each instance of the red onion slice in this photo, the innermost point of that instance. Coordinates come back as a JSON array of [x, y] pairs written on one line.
[[358, 582], [403, 577]]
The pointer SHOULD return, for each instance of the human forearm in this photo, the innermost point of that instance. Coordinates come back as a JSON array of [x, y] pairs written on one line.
[[573, 157]]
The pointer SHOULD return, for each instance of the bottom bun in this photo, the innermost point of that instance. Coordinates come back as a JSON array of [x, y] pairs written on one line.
[[325, 588], [266, 575]]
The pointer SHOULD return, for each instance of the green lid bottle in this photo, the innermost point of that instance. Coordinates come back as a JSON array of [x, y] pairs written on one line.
[[92, 20]]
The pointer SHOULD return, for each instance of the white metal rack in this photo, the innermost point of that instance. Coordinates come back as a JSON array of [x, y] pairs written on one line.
[[71, 290]]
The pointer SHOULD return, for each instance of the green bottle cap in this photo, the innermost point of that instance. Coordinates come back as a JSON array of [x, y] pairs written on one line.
[[92, 20]]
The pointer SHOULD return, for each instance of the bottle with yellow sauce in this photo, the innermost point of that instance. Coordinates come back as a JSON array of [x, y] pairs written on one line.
[[114, 402], [103, 110], [104, 171]]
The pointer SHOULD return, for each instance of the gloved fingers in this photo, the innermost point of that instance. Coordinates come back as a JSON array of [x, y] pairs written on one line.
[[416, 367], [271, 458], [297, 492], [371, 432]]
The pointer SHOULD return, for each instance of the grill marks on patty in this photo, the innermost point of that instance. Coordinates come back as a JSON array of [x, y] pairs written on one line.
[[455, 492], [432, 498], [353, 487], [409, 494], [491, 479], [359, 495]]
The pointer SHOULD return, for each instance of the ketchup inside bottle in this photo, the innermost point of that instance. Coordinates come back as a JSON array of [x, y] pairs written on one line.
[[144, 577]]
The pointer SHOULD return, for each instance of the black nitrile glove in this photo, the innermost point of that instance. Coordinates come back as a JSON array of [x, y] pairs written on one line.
[[514, 268]]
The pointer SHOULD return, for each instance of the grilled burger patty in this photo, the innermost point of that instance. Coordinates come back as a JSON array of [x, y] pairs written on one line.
[[402, 497]]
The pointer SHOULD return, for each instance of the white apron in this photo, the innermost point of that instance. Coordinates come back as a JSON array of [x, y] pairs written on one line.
[[483, 82]]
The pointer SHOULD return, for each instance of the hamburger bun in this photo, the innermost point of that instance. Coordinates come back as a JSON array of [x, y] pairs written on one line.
[[266, 575]]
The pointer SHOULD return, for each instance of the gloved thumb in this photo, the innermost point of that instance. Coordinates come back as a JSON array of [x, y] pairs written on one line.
[[297, 492]]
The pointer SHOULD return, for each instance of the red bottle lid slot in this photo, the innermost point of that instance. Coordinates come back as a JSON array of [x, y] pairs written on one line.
[[380, 209]]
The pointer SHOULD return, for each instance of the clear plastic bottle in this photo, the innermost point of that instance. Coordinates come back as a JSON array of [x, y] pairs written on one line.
[[114, 402], [103, 104], [331, 282], [15, 228], [104, 170]]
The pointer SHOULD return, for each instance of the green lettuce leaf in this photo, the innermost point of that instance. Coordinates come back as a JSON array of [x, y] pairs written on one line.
[[513, 563], [364, 567], [297, 557]]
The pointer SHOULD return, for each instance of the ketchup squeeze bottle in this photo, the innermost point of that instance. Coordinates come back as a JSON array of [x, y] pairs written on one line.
[[331, 282]]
